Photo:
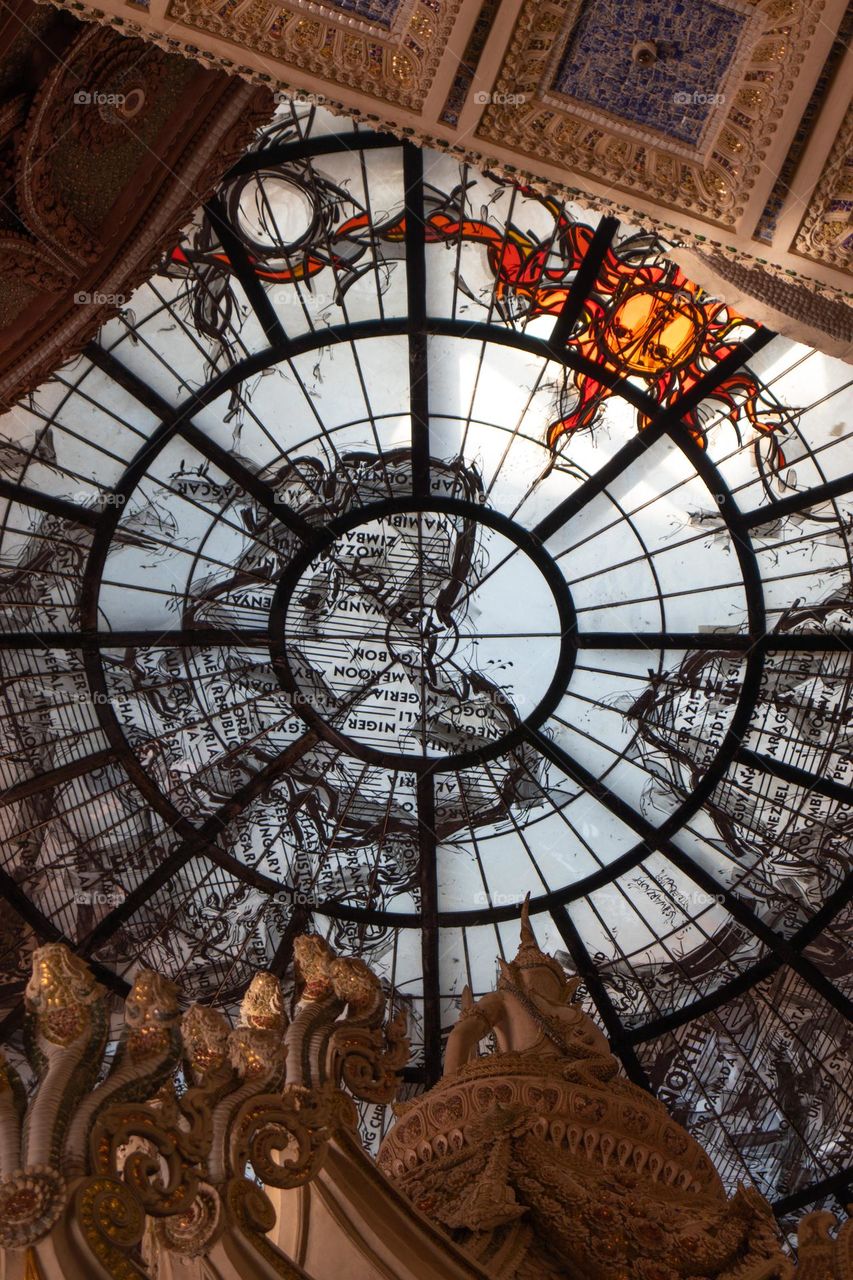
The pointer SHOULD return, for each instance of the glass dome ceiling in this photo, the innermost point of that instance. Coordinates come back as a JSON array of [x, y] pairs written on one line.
[[412, 542]]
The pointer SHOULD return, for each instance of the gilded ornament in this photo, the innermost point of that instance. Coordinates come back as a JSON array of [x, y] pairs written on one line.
[[60, 992], [31, 1202], [751, 97], [312, 959], [150, 1011], [112, 1221], [770, 51], [402, 68], [206, 1038], [352, 50], [780, 9], [133, 1147], [192, 1232], [263, 1004], [307, 32], [617, 153], [421, 24]]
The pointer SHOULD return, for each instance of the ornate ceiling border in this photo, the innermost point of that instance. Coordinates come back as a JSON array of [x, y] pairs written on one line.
[[828, 217], [523, 117], [396, 65], [481, 157], [732, 79]]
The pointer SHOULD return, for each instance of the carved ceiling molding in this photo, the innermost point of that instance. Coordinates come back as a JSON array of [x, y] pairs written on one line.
[[397, 65], [772, 299], [826, 233], [318, 66], [750, 101], [703, 192]]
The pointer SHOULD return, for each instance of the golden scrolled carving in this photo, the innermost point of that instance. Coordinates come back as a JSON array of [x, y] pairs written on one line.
[[263, 1005], [66, 1030], [361, 1051], [192, 1232], [370, 1058], [206, 1036], [313, 958], [257, 1046], [250, 1207], [112, 1222], [300, 1123], [825, 1249], [135, 1148], [61, 993], [31, 1202], [255, 1053], [354, 983], [366, 1052], [151, 1002], [159, 1167], [148, 1052]]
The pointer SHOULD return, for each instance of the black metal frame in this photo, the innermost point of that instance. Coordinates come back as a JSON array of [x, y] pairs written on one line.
[[418, 326]]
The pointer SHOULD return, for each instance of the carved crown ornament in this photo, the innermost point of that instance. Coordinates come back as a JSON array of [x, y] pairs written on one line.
[[542, 1160]]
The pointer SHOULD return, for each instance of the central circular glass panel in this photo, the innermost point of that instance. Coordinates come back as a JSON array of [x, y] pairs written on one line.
[[426, 636]]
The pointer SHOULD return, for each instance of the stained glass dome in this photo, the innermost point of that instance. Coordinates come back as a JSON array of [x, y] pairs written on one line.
[[412, 542]]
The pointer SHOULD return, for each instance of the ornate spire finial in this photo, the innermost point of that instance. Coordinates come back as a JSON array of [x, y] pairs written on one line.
[[528, 937], [529, 955]]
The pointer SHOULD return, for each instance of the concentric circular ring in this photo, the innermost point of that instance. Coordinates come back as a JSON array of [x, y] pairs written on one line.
[[472, 515]]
